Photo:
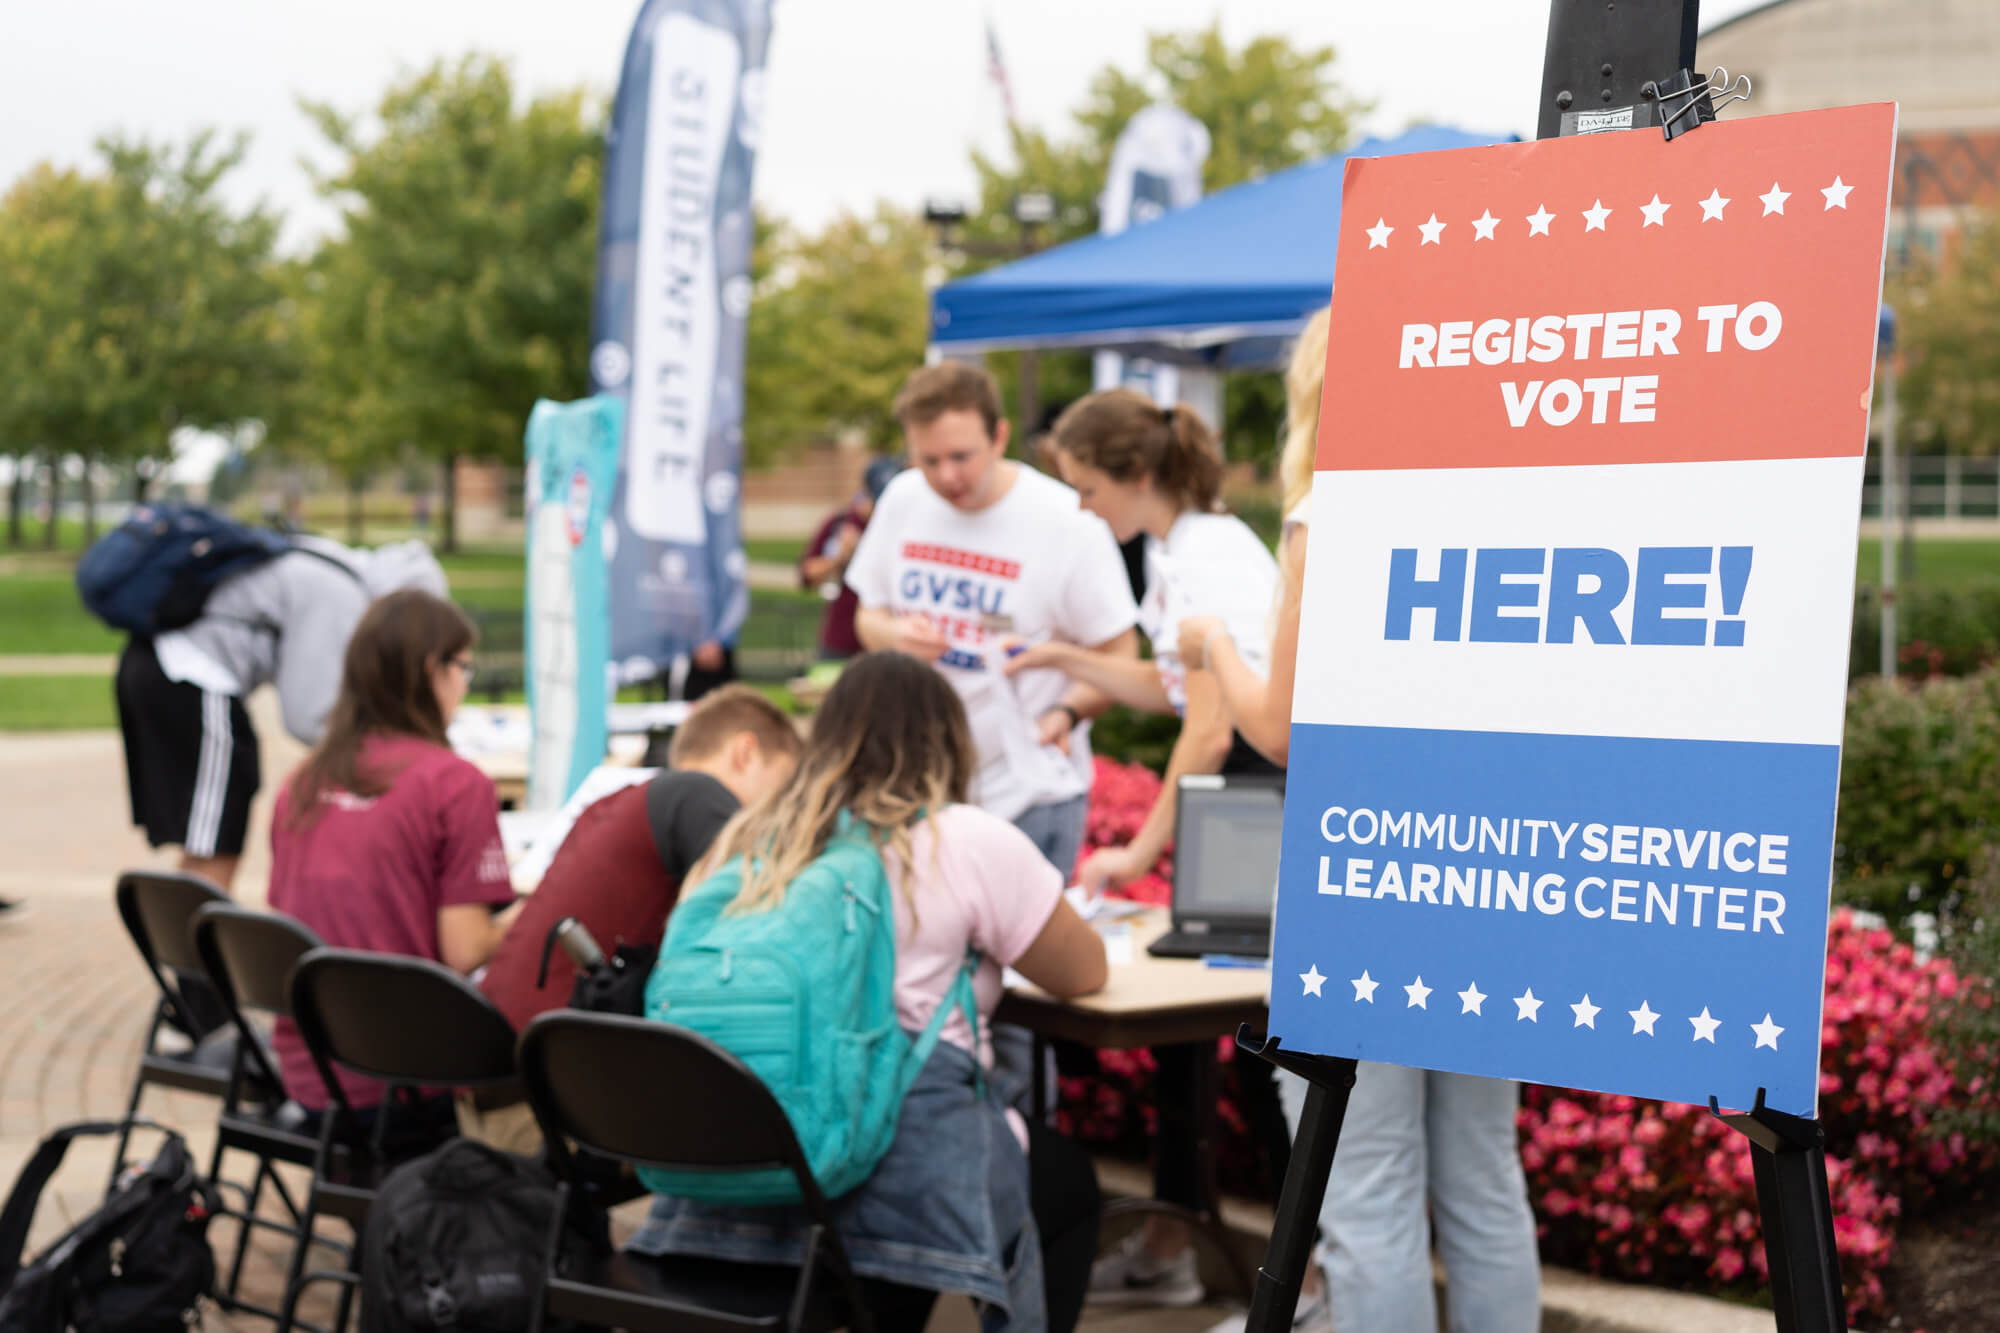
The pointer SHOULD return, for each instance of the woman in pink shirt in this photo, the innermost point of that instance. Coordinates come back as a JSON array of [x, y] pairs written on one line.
[[955, 1206], [384, 839]]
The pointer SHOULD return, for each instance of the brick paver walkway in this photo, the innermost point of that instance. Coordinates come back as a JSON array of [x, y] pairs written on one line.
[[78, 1000]]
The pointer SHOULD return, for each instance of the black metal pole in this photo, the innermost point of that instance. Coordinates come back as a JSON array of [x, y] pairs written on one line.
[[1602, 58], [1275, 1297], [1788, 1156]]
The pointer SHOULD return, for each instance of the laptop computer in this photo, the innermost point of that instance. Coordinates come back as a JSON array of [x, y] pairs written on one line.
[[1225, 866]]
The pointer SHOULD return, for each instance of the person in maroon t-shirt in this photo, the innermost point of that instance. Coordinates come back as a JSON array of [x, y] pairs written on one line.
[[383, 839], [619, 868], [824, 564]]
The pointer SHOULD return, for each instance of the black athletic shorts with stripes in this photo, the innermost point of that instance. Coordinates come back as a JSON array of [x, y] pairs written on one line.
[[190, 758]]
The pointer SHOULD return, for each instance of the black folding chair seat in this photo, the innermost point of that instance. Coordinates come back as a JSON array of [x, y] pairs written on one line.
[[411, 1023], [156, 908], [248, 957], [619, 1087]]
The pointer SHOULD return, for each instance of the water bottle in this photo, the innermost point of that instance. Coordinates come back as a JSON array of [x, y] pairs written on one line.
[[576, 941]]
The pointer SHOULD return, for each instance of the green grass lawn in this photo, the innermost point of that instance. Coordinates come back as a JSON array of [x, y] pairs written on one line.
[[56, 703], [774, 550], [40, 613], [1940, 561]]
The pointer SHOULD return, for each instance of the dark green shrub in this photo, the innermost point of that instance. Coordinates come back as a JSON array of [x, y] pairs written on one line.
[[1943, 629], [1919, 791], [1135, 738]]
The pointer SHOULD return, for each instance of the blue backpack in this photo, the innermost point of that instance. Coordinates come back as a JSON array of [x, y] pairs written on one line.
[[804, 994], [155, 570]]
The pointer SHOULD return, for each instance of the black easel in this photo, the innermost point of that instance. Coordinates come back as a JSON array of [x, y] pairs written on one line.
[[1608, 66], [1788, 1155], [1274, 1299]]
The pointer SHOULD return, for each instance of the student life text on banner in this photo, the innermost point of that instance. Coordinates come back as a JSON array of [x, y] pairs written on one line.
[[667, 328], [1573, 657], [572, 465]]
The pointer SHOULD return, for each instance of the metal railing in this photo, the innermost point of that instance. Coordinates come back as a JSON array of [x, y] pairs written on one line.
[[1940, 486]]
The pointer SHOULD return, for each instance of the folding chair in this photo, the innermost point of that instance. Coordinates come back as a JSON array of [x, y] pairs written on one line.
[[653, 1095], [157, 907], [249, 957], [410, 1022]]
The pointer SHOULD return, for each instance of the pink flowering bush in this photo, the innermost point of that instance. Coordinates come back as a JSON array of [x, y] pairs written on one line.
[[1663, 1192], [1121, 796]]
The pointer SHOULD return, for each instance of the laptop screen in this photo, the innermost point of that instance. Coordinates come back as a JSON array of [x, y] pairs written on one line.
[[1226, 849]]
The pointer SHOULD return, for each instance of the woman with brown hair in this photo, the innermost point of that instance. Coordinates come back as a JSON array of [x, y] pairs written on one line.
[[955, 1204], [1157, 472], [1154, 471], [384, 839]]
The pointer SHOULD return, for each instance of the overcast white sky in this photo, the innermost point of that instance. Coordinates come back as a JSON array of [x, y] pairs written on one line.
[[867, 99]]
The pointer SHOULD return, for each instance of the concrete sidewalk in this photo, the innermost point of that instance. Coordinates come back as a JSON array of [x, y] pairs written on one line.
[[79, 1000]]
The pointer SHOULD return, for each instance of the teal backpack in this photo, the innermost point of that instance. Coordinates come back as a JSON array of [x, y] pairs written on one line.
[[804, 994]]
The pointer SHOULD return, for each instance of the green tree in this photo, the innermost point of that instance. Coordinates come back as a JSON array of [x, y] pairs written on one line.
[[459, 291], [139, 304], [1267, 104], [836, 322], [1950, 389]]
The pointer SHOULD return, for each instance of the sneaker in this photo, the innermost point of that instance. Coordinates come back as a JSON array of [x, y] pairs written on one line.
[[1130, 1275], [1314, 1315]]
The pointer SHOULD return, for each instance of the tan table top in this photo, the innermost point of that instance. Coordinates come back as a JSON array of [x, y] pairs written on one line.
[[1148, 1001]]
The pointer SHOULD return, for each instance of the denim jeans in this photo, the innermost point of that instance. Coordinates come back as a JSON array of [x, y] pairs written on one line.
[[1413, 1136], [1056, 829]]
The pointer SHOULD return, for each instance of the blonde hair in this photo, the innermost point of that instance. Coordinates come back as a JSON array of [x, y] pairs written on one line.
[[889, 746], [1304, 377]]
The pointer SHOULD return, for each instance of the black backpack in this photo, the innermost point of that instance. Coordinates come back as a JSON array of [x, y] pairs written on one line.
[[139, 1264], [613, 985], [455, 1239]]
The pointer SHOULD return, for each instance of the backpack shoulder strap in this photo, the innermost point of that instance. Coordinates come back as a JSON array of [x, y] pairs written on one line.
[[19, 1213], [329, 558], [959, 995]]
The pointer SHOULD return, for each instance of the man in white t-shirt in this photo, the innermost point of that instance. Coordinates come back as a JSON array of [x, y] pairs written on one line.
[[968, 550]]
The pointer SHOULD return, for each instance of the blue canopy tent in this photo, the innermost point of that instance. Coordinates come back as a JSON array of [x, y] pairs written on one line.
[[1222, 283]]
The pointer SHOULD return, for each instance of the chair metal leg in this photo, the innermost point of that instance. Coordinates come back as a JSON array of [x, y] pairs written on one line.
[[295, 1270], [132, 1106], [347, 1289], [249, 1225]]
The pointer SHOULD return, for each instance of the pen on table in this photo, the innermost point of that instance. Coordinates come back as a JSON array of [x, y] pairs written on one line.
[[1234, 960]]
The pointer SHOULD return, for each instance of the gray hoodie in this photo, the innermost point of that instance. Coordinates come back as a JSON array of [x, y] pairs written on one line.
[[287, 621]]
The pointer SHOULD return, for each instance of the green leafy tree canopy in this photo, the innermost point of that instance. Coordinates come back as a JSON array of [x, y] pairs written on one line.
[[459, 291]]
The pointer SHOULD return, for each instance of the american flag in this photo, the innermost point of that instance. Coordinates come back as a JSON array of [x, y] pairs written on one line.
[[996, 69]]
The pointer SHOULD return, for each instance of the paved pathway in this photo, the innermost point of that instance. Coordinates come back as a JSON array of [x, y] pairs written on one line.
[[78, 1000]]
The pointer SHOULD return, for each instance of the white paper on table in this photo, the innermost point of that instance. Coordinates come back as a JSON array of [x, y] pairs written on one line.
[[1100, 907], [519, 830], [597, 784]]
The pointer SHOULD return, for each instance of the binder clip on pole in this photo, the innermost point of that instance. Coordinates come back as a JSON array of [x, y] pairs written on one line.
[[1685, 104]]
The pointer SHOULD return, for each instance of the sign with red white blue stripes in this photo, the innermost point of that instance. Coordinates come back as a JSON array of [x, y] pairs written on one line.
[[1573, 658]]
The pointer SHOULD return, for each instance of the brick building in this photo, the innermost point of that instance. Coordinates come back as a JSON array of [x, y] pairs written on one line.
[[1940, 59]]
